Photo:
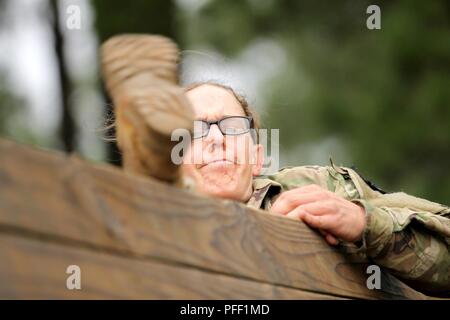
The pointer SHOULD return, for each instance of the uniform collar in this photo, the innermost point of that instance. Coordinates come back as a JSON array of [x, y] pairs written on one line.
[[262, 188]]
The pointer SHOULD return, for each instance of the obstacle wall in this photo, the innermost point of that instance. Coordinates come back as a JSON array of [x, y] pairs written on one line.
[[136, 238]]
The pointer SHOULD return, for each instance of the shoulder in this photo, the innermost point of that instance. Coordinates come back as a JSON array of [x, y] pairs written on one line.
[[292, 177], [341, 180]]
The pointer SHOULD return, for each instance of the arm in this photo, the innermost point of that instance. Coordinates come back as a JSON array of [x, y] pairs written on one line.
[[407, 235], [413, 243]]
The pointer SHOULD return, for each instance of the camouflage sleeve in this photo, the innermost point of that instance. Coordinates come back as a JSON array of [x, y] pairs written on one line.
[[408, 236], [412, 243], [405, 234]]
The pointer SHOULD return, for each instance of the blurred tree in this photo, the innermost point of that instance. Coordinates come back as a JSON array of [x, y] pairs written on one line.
[[137, 16], [7, 100], [384, 94], [12, 107], [67, 128]]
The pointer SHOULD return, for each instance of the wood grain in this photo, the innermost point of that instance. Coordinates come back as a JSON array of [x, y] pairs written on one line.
[[37, 270], [100, 206]]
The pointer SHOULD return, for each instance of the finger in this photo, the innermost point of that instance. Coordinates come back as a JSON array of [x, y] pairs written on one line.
[[293, 198], [283, 204], [325, 222], [296, 214], [319, 208], [331, 239]]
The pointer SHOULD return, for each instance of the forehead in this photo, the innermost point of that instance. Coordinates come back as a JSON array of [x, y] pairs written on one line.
[[212, 102]]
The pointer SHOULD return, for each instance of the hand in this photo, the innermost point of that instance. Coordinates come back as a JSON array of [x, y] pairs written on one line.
[[335, 217]]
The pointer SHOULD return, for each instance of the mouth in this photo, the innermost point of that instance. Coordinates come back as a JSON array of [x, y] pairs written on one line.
[[217, 162]]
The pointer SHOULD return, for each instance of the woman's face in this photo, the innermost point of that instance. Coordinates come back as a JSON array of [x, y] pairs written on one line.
[[221, 166]]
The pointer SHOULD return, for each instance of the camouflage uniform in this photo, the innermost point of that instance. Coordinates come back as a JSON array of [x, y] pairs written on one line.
[[407, 235]]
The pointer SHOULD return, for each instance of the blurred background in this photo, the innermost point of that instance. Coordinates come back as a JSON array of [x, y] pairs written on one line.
[[375, 99]]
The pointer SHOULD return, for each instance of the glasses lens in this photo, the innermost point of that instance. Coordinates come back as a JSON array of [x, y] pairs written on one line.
[[235, 125], [201, 129]]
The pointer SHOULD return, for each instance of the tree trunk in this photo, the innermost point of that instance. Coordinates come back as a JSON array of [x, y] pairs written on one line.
[[67, 125]]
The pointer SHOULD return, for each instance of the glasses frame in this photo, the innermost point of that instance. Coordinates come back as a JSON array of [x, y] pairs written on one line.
[[209, 123]]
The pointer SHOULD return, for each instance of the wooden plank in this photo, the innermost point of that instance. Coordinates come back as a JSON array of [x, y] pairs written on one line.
[[34, 269], [103, 207]]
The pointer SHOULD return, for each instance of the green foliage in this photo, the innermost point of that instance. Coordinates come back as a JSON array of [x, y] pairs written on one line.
[[384, 94], [137, 16], [13, 116], [378, 99]]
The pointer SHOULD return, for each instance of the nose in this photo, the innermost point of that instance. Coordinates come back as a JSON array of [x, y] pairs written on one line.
[[214, 136]]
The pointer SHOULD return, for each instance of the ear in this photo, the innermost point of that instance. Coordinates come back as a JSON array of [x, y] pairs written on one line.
[[258, 160]]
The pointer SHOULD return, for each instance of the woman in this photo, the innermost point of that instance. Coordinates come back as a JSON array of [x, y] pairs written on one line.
[[407, 235]]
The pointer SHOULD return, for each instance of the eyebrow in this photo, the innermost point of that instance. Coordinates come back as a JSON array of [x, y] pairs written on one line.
[[224, 116]]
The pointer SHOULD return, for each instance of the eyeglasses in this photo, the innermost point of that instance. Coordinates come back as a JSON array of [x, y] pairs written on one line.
[[232, 125]]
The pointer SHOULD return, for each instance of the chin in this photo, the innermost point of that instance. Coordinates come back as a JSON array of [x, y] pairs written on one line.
[[219, 181], [222, 191]]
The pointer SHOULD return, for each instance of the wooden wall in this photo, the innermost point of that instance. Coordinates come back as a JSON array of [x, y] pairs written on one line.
[[136, 238]]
